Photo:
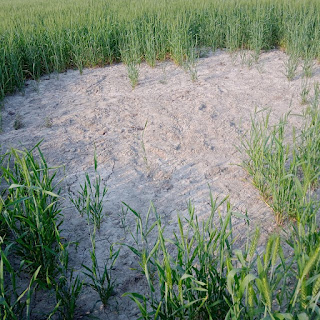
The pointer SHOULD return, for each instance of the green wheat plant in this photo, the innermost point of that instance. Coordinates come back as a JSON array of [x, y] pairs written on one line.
[[291, 66], [90, 198], [305, 91], [123, 219], [133, 74], [308, 66], [30, 209], [283, 171], [316, 95], [143, 146], [39, 38], [275, 284], [143, 227], [101, 280], [309, 143], [198, 273], [190, 63], [308, 63], [278, 284], [67, 288], [185, 274], [15, 303], [18, 124]]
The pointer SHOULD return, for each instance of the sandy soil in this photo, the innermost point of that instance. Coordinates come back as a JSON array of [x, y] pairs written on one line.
[[193, 129]]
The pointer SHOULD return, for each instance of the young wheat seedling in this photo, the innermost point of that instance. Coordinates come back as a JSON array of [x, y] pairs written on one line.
[[123, 219], [307, 67], [164, 79], [90, 197], [101, 282], [291, 66], [48, 122], [67, 288], [145, 158], [133, 74], [304, 92]]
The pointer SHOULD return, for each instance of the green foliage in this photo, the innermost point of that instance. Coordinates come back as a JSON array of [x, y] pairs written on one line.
[[101, 282], [133, 74], [90, 198], [186, 274], [198, 273], [18, 124], [29, 209], [285, 171], [291, 66], [37, 38], [67, 289], [305, 91], [278, 284], [14, 302], [30, 220]]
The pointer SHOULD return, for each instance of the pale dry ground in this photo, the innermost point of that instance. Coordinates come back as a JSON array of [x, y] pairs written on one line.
[[193, 129]]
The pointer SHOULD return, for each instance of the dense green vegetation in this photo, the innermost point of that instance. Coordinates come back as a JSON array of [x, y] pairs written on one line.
[[38, 37], [285, 171]]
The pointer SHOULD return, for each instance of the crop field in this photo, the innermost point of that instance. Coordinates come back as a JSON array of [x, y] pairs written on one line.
[[39, 37], [159, 159]]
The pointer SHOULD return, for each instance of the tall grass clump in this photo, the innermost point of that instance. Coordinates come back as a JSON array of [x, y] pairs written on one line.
[[185, 274], [268, 163], [285, 168], [201, 272], [32, 250], [30, 210], [282, 282], [38, 38]]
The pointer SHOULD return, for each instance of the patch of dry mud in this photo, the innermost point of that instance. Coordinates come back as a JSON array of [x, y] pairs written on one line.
[[192, 132]]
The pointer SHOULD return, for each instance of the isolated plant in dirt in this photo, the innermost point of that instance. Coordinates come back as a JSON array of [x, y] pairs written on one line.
[[90, 198], [18, 124], [291, 66], [305, 90], [30, 209], [190, 63], [133, 74], [101, 280]]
